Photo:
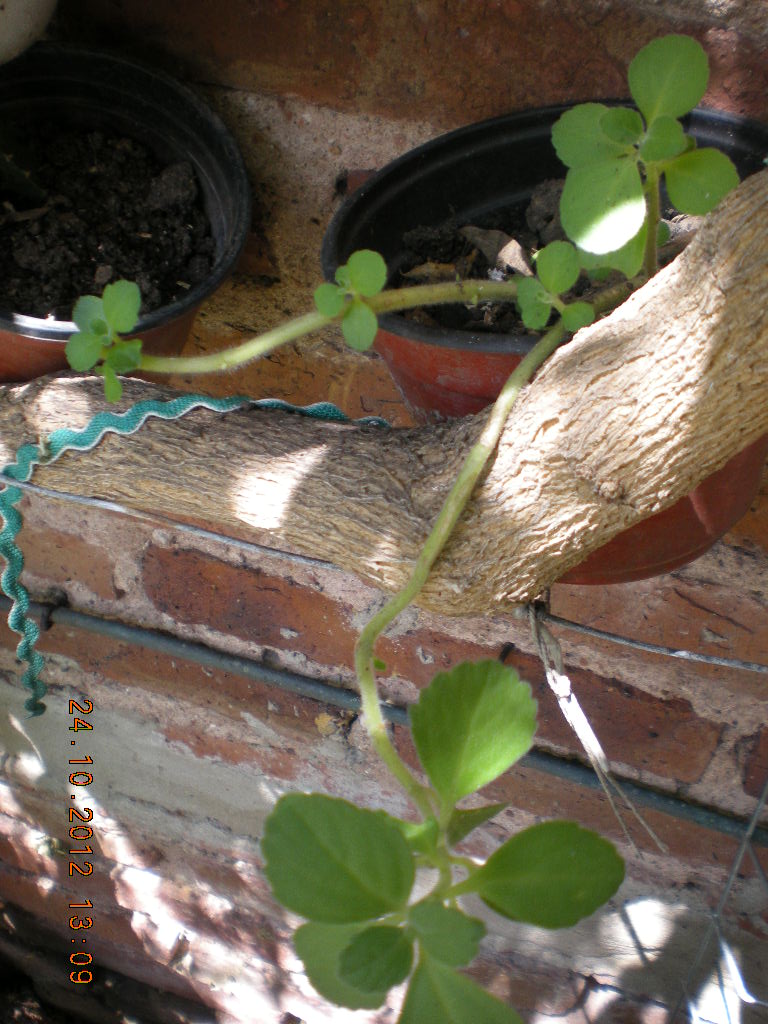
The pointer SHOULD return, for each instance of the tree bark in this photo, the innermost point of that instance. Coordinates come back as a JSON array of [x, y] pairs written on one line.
[[621, 422]]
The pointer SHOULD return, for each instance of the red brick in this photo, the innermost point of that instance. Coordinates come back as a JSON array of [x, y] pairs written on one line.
[[461, 66]]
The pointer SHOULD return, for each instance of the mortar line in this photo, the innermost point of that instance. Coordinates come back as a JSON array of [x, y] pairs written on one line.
[[326, 693], [163, 522]]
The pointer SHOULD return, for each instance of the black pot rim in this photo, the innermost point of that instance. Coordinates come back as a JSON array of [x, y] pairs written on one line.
[[401, 166], [238, 185]]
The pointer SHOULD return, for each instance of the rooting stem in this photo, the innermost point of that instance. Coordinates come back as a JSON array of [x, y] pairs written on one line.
[[445, 523]]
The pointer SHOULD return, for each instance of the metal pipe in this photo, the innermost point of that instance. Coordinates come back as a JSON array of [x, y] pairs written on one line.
[[292, 682]]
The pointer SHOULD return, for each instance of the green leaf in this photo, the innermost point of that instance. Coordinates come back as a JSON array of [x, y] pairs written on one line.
[[698, 180], [462, 822], [83, 351], [333, 862], [550, 875], [376, 959], [367, 272], [87, 310], [124, 356], [121, 301], [534, 303], [343, 279], [470, 725], [446, 934], [668, 77], [602, 206], [664, 140], [557, 267], [319, 946], [359, 325], [579, 140], [628, 259], [577, 315], [440, 995], [113, 389], [622, 125], [329, 299], [421, 836]]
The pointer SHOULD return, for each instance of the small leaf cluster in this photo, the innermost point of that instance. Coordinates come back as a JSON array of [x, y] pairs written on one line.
[[557, 269], [363, 276], [351, 871], [97, 345], [617, 155]]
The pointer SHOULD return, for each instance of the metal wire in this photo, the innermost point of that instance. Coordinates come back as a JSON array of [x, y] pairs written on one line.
[[714, 929]]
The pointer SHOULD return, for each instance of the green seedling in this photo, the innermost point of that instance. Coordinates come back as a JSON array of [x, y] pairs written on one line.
[[617, 158], [97, 345], [351, 872], [361, 278]]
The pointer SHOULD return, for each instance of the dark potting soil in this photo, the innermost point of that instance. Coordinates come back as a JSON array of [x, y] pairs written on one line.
[[110, 209], [455, 248], [498, 247]]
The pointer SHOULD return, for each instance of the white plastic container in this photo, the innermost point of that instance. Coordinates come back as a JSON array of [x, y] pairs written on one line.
[[21, 23]]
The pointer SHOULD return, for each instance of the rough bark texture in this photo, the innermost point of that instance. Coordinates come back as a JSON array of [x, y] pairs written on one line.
[[620, 423]]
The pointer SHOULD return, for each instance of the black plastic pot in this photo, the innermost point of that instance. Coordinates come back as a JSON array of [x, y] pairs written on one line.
[[473, 175], [91, 89]]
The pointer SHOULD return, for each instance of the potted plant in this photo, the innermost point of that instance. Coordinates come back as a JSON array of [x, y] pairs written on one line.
[[350, 871], [485, 174], [156, 160]]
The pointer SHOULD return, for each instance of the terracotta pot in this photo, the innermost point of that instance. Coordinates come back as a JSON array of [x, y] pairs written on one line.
[[95, 89], [470, 175]]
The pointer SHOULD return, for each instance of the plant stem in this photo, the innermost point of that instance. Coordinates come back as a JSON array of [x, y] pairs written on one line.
[[444, 525], [390, 301], [229, 358], [652, 215]]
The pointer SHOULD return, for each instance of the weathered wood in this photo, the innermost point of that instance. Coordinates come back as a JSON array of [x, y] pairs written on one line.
[[625, 419]]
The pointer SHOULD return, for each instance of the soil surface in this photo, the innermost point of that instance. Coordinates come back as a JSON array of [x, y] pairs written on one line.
[[102, 207], [498, 249], [478, 251]]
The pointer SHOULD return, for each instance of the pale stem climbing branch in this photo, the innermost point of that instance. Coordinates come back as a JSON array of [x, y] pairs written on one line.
[[444, 525]]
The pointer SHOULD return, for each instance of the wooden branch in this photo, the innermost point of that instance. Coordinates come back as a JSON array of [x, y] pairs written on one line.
[[625, 419]]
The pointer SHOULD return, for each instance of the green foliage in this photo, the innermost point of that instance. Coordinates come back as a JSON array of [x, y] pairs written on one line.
[[376, 959], [359, 325], [333, 862], [97, 345], [363, 276], [445, 933], [439, 995], [617, 156], [320, 946], [668, 77], [463, 821], [558, 266], [351, 871], [698, 180], [602, 205], [470, 725], [551, 875]]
